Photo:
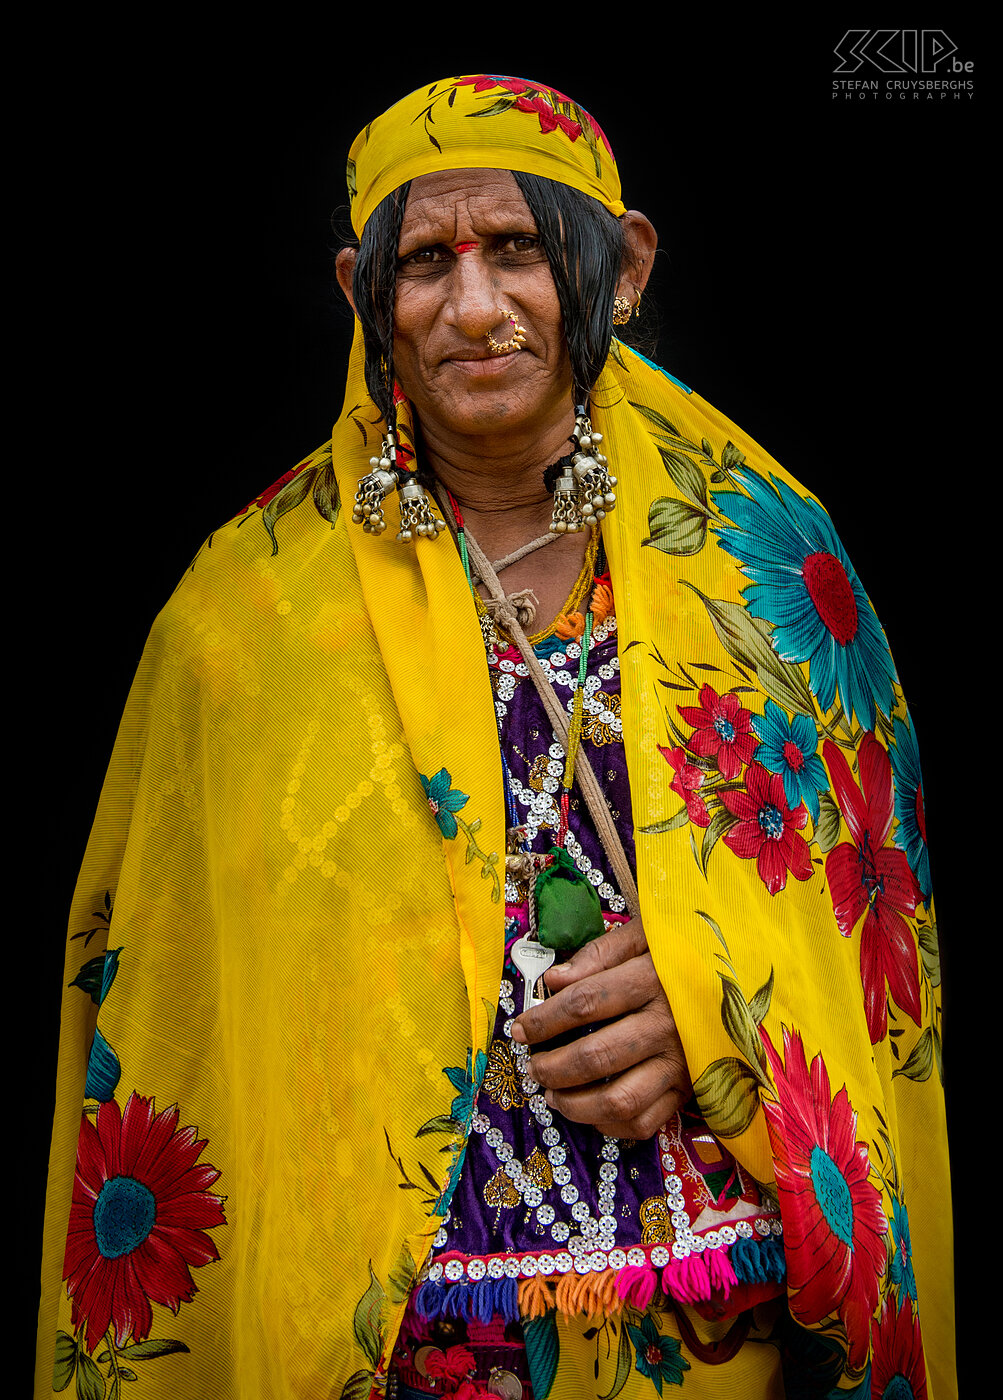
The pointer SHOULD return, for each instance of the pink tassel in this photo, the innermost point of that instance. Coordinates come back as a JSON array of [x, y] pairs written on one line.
[[722, 1275], [686, 1279], [636, 1284]]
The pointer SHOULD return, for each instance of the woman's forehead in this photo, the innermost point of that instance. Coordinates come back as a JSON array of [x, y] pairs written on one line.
[[452, 201]]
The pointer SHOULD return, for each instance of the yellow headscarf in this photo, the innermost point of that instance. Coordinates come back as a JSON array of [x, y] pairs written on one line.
[[485, 123], [289, 928]]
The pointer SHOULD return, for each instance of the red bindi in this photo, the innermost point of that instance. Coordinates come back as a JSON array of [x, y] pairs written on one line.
[[466, 247]]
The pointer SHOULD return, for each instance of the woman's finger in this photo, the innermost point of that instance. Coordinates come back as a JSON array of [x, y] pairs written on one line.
[[608, 1051], [601, 997], [617, 945], [633, 1105]]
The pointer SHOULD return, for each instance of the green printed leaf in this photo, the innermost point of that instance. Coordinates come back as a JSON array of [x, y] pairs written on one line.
[[124, 1374], [90, 1382], [366, 1321], [929, 947], [442, 1123], [722, 821], [686, 474], [920, 1062], [358, 1386], [673, 437], [738, 1022], [731, 457], [325, 494], [716, 929], [65, 1362], [402, 1277], [676, 527], [90, 978], [827, 826], [728, 1097], [671, 824], [938, 1054], [496, 108], [624, 1363], [291, 495], [146, 1351], [747, 640], [760, 1003], [542, 1352]]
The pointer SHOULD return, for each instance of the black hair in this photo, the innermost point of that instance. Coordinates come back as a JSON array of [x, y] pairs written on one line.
[[585, 247]]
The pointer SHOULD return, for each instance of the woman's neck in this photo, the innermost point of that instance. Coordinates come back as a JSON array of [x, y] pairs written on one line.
[[498, 482]]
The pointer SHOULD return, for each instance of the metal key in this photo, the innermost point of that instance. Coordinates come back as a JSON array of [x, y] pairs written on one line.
[[532, 959]]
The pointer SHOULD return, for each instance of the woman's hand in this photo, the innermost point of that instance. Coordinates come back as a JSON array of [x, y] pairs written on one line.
[[628, 1077]]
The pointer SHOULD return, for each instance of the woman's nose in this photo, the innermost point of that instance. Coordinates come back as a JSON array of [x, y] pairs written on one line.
[[475, 299]]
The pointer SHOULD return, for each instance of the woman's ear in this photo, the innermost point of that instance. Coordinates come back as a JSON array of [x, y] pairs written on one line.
[[640, 242], [344, 266]]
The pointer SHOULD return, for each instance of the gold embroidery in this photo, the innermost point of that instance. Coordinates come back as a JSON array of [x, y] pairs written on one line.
[[500, 1080], [597, 729], [538, 772], [656, 1225], [501, 1192], [539, 1170]]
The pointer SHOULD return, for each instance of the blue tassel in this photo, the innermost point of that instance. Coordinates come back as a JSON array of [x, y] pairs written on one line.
[[775, 1260], [458, 1301], [747, 1261], [430, 1300], [479, 1301], [484, 1302], [507, 1299]]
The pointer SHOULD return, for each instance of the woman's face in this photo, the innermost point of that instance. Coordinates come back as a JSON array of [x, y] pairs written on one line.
[[469, 252]]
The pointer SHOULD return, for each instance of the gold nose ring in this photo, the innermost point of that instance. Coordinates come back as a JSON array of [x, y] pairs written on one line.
[[505, 347]]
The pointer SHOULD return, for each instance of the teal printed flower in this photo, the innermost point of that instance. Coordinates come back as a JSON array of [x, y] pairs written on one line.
[[444, 801], [461, 1111], [467, 1084], [803, 584], [911, 834], [658, 1357], [788, 747], [900, 1270]]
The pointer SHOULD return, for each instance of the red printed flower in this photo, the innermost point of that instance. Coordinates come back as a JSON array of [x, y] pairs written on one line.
[[688, 778], [768, 829], [138, 1219], [898, 1369], [273, 490], [834, 1226], [723, 731], [549, 118], [542, 105], [865, 879]]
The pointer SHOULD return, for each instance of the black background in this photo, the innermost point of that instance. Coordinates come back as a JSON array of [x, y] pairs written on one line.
[[821, 272]]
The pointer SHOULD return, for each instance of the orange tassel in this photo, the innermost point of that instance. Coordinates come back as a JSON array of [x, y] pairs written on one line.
[[571, 626], [602, 602], [564, 1294], [536, 1297], [591, 1295]]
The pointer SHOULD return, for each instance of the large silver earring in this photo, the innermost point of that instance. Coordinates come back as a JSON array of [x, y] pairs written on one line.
[[583, 493], [418, 516]]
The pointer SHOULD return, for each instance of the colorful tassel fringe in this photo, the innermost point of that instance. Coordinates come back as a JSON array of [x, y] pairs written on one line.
[[695, 1279]]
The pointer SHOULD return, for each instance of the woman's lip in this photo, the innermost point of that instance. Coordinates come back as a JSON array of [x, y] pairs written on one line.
[[484, 367]]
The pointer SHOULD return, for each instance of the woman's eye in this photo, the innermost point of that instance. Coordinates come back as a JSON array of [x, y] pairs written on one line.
[[524, 243]]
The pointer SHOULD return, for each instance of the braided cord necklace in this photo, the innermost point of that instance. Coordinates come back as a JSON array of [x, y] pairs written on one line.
[[575, 730]]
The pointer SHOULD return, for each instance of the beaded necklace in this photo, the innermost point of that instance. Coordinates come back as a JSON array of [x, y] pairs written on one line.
[[564, 909]]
